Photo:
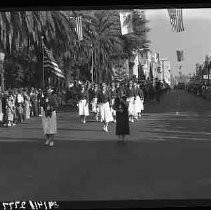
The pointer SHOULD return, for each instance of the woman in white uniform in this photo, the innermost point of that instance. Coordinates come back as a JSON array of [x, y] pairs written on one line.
[[83, 103], [104, 101], [138, 93], [131, 101], [49, 121]]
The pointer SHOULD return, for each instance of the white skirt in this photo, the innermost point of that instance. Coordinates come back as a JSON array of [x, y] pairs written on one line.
[[139, 105], [83, 108], [131, 107], [112, 110], [27, 110], [49, 123], [95, 108], [105, 112]]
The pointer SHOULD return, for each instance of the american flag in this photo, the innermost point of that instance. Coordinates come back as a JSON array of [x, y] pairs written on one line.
[[50, 63], [79, 29], [176, 19]]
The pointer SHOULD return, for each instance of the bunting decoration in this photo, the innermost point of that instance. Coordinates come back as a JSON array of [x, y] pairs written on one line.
[[180, 55], [126, 22], [176, 19]]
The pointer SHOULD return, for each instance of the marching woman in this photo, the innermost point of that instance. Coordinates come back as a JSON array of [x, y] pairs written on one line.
[[122, 118], [113, 96], [104, 101], [83, 105], [95, 108], [130, 99], [49, 121], [139, 95]]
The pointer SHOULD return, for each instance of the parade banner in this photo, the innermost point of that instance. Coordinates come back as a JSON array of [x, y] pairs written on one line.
[[126, 22], [180, 55], [79, 29], [176, 19], [121, 70]]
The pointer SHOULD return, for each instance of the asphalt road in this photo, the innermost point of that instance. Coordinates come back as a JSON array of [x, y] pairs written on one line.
[[166, 157]]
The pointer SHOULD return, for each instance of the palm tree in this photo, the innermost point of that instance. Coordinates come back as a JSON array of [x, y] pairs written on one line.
[[22, 31], [101, 31]]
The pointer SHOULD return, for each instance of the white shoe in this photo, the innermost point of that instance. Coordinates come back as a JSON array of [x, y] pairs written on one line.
[[51, 144], [9, 125], [47, 142], [132, 120], [84, 121], [106, 129]]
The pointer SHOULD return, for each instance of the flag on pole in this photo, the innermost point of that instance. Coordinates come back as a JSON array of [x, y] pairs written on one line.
[[180, 56], [126, 22], [79, 29], [176, 19], [51, 64]]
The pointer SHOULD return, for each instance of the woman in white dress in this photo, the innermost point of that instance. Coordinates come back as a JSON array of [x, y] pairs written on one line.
[[138, 93], [131, 101], [104, 101], [83, 105], [49, 121]]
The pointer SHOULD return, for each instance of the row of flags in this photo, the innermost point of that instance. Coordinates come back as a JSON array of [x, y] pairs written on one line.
[[126, 22]]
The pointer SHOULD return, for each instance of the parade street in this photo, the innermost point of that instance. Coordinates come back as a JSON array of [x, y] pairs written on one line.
[[167, 156]]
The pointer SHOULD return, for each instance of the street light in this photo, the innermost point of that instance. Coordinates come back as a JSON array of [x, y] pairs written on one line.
[[2, 56]]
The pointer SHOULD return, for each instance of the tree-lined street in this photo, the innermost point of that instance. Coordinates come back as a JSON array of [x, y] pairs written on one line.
[[166, 156]]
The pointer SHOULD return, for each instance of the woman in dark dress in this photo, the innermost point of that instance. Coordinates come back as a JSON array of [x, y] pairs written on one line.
[[122, 118]]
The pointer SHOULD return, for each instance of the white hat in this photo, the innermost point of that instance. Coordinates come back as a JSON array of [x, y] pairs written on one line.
[[50, 90]]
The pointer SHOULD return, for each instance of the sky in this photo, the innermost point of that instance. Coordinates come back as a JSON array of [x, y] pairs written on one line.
[[195, 41]]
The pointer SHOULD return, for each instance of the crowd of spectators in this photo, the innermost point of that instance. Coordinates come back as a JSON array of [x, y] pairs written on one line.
[[20, 104]]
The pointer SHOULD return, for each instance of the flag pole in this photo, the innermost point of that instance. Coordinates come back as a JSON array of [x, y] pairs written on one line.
[[43, 72], [92, 65]]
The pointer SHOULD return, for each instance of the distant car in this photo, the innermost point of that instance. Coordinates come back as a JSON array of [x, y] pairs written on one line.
[[181, 85]]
